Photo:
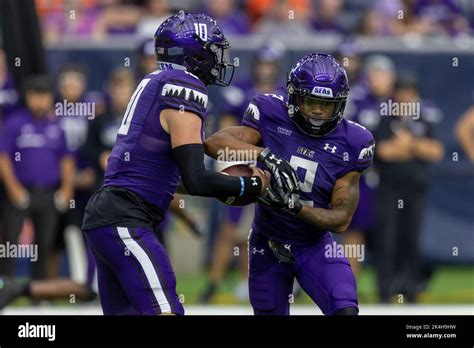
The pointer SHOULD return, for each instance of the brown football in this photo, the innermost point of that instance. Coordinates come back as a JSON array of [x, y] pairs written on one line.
[[237, 170]]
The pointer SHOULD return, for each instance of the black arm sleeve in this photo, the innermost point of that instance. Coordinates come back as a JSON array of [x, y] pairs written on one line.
[[201, 182]]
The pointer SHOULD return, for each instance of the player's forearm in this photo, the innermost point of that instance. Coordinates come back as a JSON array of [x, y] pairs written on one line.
[[217, 144], [344, 199], [68, 169], [199, 181], [428, 149], [333, 220], [390, 151]]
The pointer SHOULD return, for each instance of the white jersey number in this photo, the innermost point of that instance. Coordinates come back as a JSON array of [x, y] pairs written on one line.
[[310, 168], [132, 104]]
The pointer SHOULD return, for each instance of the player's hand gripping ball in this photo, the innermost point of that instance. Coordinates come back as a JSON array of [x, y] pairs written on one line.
[[237, 170]]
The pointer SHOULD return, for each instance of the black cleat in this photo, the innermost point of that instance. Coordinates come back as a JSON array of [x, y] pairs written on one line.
[[10, 289]]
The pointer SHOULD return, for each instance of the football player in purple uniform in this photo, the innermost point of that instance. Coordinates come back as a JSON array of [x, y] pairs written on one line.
[[291, 238], [159, 140]]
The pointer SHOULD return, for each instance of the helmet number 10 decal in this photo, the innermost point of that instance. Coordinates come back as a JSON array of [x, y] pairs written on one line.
[[201, 30], [310, 168]]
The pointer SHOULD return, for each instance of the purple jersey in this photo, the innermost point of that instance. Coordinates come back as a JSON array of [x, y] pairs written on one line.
[[319, 162], [142, 159]]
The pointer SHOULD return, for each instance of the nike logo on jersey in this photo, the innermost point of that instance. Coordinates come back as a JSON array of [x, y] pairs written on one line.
[[170, 90]]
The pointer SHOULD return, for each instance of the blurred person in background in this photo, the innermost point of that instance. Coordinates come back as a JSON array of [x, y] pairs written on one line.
[[232, 20], [415, 17], [9, 99], [146, 58], [364, 215], [328, 16], [465, 132], [283, 18], [348, 55], [117, 17], [66, 19], [103, 128], [155, 12], [447, 16], [266, 78], [406, 148], [71, 88], [38, 172]]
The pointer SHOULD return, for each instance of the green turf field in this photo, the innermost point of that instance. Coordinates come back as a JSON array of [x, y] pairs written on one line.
[[448, 285]]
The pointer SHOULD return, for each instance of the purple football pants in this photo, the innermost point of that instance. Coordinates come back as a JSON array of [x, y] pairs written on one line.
[[134, 273], [329, 281]]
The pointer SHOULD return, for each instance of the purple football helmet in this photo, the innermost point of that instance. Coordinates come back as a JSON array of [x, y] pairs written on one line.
[[317, 78], [196, 42]]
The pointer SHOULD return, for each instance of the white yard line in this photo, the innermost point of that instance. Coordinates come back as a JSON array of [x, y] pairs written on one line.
[[465, 309]]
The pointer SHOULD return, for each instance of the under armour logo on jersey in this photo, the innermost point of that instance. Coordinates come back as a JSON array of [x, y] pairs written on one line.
[[261, 251], [328, 147], [277, 160], [287, 246], [254, 181]]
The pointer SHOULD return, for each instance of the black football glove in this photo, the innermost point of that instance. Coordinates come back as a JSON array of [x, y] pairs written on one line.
[[283, 174], [271, 199]]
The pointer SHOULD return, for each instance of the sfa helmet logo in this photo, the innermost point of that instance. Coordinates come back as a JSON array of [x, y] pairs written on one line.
[[322, 91]]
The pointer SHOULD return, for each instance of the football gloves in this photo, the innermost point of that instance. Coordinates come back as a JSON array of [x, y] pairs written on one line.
[[284, 191]]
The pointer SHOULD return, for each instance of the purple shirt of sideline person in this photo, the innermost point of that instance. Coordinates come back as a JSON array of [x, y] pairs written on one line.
[[33, 151]]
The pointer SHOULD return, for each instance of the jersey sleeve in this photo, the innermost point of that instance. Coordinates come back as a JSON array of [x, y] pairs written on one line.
[[251, 116], [184, 92], [364, 152]]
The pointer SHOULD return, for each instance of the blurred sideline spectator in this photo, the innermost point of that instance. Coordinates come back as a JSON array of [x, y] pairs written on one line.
[[406, 145], [363, 220], [78, 18], [9, 99], [282, 17], [99, 19], [38, 171], [146, 58], [156, 11], [328, 16], [71, 88], [118, 17], [103, 129], [230, 18], [445, 14]]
